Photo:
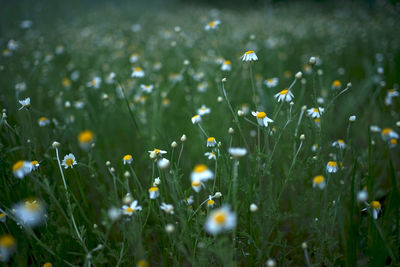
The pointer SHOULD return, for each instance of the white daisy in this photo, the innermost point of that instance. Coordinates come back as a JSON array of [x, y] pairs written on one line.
[[237, 152], [249, 56], [210, 155], [147, 88], [168, 208], [203, 110], [211, 142], [284, 95], [154, 192], [196, 119], [201, 173], [137, 72], [319, 181], [271, 82], [219, 220], [69, 161], [129, 210], [22, 168], [26, 103], [339, 144], [212, 25], [226, 65], [262, 118], [94, 83], [315, 112], [127, 159], [332, 167]]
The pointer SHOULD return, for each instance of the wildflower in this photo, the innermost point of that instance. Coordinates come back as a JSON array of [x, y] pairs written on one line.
[[110, 78], [201, 173], [249, 56], [94, 83], [237, 152], [22, 168], [157, 181], [352, 118], [314, 147], [362, 196], [133, 58], [212, 25], [154, 192], [319, 181], [69, 161], [189, 200], [26, 103], [35, 164], [137, 72], [163, 163], [114, 213], [47, 264], [376, 208], [339, 144], [196, 119], [169, 228], [253, 207], [211, 142], [129, 210], [43, 121], [226, 65], [29, 212], [317, 122], [332, 167], [336, 85], [197, 185], [142, 263], [262, 118], [389, 96], [127, 159], [168, 208], [85, 138], [210, 155], [374, 128], [388, 134], [271, 82], [284, 95], [219, 220], [210, 202], [3, 216], [203, 110], [393, 143], [147, 88], [7, 247], [12, 45], [315, 112], [157, 153]]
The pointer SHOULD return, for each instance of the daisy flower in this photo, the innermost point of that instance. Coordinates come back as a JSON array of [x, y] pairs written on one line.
[[317, 122], [376, 208], [284, 95], [374, 128], [26, 103], [249, 56], [7, 246], [336, 85], [133, 58], [147, 88], [110, 78], [211, 142], [388, 134], [332, 167], [201, 173], [94, 83], [35, 165], [212, 25], [196, 119], [189, 200], [319, 181], [219, 220], [69, 161], [392, 143], [210, 155], [315, 112], [156, 153], [271, 82], [127, 159], [210, 202], [168, 208], [237, 152], [137, 72], [362, 196], [85, 138], [154, 192], [129, 210], [197, 185], [314, 147], [29, 212], [226, 65], [12, 45], [339, 144], [21, 168], [203, 110], [3, 216], [262, 118]]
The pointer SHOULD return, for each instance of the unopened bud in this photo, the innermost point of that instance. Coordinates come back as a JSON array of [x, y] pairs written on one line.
[[224, 80], [183, 138], [174, 144], [312, 61], [55, 144], [220, 99], [302, 137], [299, 75], [253, 207], [231, 131], [218, 195]]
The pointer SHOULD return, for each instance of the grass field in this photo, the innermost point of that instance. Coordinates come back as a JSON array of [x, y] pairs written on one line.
[[108, 111]]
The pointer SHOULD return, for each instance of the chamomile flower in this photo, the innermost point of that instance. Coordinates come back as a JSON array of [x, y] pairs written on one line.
[[271, 82], [133, 58], [147, 88], [43, 121], [168, 208], [237, 152], [374, 128], [29, 212], [210, 155], [196, 119], [110, 78], [315, 112], [317, 122], [314, 147], [26, 103], [393, 143], [203, 110], [137, 72], [226, 65], [212, 25], [35, 165], [210, 202], [127, 159], [332, 167], [131, 209], [219, 220], [156, 153], [3, 216], [284, 95], [189, 200], [339, 144], [249, 56], [201, 173], [94, 83], [12, 45], [336, 84], [362, 196], [211, 142], [85, 138], [376, 208], [7, 247], [262, 118], [319, 181], [69, 161], [197, 185], [21, 168], [388, 134], [154, 192]]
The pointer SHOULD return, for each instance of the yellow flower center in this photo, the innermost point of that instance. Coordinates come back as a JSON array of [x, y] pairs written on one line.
[[220, 217], [2, 215], [210, 139], [337, 83], [156, 151], [261, 115], [138, 69], [66, 82], [210, 202], [318, 179], [142, 263], [200, 168], [129, 210], [69, 162], [34, 162], [85, 136], [196, 183], [393, 141], [153, 189], [317, 120], [47, 264], [340, 141], [195, 116], [386, 131], [249, 52], [391, 91], [284, 92], [315, 109], [227, 62], [42, 119], [127, 157], [375, 204], [332, 163], [211, 24], [18, 165], [7, 241]]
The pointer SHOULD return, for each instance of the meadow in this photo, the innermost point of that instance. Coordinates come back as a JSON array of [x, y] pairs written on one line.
[[159, 134]]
